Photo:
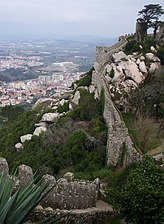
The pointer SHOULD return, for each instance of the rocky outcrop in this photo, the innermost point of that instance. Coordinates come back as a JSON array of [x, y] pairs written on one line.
[[39, 130], [44, 102], [18, 146], [76, 98], [25, 138], [117, 74], [124, 73], [50, 117]]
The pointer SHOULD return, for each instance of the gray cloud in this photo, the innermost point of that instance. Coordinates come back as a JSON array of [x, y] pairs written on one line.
[[71, 17]]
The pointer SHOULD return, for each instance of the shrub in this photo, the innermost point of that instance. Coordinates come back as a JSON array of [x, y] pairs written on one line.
[[141, 198], [103, 174], [86, 79], [64, 108], [112, 73], [132, 46]]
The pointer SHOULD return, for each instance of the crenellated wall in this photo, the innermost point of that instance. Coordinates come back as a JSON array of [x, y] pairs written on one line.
[[67, 193]]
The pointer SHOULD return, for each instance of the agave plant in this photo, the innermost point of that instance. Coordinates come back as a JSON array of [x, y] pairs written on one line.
[[15, 207]]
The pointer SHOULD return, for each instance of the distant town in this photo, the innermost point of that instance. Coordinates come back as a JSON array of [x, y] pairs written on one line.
[[30, 70], [34, 69], [27, 91]]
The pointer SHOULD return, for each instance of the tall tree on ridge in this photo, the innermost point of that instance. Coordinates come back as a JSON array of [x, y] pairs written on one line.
[[149, 17]]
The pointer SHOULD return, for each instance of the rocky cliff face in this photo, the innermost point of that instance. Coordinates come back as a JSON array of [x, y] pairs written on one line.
[[118, 74]]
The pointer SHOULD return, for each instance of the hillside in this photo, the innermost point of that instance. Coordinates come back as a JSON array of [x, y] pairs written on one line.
[[71, 133], [91, 143]]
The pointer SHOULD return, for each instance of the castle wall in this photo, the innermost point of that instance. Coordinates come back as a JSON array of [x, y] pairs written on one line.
[[120, 148], [67, 193]]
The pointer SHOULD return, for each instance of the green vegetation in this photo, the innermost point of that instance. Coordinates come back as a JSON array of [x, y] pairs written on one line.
[[140, 197], [112, 73], [77, 142], [13, 74], [85, 80], [103, 174], [11, 112], [147, 103], [63, 108], [16, 206], [149, 17], [134, 46], [143, 131]]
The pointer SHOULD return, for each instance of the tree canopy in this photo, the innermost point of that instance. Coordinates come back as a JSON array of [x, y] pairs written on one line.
[[149, 16]]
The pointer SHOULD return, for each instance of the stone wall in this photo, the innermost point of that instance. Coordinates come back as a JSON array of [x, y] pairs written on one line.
[[66, 193], [86, 216], [120, 148], [72, 194], [103, 54]]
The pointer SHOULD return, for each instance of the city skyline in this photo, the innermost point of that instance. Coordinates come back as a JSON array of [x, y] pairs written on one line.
[[51, 18]]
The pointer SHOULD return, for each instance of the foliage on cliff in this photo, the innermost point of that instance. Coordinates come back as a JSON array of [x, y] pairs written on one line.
[[140, 198], [145, 120], [76, 142]]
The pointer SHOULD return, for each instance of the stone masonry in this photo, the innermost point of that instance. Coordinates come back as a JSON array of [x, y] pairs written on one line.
[[120, 148], [67, 193]]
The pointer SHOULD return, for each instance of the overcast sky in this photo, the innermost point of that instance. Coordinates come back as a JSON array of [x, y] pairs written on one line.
[[107, 18]]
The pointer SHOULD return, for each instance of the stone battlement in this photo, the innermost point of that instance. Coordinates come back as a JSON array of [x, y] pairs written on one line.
[[67, 193]]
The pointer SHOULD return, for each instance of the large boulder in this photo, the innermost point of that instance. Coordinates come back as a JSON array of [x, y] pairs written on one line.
[[91, 89], [76, 98], [39, 130], [50, 117], [152, 58], [25, 138], [154, 66], [44, 101], [18, 146], [62, 102], [142, 67], [133, 72], [152, 48], [120, 56]]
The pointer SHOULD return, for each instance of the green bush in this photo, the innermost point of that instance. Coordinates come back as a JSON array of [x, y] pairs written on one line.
[[141, 198], [132, 46], [103, 174], [85, 80], [63, 108], [77, 140], [112, 73], [11, 112], [87, 107]]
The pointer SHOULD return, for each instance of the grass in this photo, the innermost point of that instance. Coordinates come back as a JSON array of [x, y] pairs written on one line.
[[143, 132], [103, 174]]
